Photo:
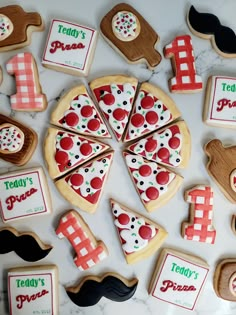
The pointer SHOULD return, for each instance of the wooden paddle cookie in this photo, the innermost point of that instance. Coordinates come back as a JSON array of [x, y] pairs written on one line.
[[130, 34], [222, 167]]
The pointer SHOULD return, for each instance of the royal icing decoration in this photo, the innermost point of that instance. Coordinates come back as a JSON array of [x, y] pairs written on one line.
[[70, 47], [178, 279], [124, 25], [220, 104], [24, 194], [149, 114], [201, 227], [116, 103], [11, 138], [83, 117], [33, 290], [6, 27], [186, 78], [162, 147], [28, 96], [232, 284], [233, 180], [89, 252]]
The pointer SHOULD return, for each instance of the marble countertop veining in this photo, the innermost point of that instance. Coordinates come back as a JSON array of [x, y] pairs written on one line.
[[168, 18]]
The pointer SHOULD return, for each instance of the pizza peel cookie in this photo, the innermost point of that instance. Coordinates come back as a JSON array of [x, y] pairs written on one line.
[[139, 236], [115, 96], [169, 146]]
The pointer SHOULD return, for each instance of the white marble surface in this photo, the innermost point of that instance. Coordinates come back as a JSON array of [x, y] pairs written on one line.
[[168, 18]]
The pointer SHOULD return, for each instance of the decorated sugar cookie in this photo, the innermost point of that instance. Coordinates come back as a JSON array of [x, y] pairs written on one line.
[[152, 109], [24, 193], [139, 236], [126, 31], [200, 228], [178, 278], [70, 47], [64, 151], [33, 289], [16, 27], [186, 80], [77, 112], [83, 187], [220, 102], [155, 184], [115, 96], [171, 146], [89, 251], [11, 139]]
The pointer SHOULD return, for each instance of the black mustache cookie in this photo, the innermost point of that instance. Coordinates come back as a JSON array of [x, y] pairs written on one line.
[[26, 245], [208, 26], [111, 285]]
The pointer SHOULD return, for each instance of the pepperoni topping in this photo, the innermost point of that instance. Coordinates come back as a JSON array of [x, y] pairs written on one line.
[[152, 193], [76, 180], [145, 170], [145, 232], [96, 183], [119, 114], [174, 142], [108, 99], [147, 102], [61, 157], [123, 219], [86, 149], [87, 111], [72, 119], [151, 145], [151, 117], [162, 178], [93, 124], [163, 154], [137, 120], [66, 143]]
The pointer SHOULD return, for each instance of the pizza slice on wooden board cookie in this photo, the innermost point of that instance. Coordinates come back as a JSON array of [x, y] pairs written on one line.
[[222, 167], [77, 112], [155, 184], [170, 146], [83, 187], [64, 151], [152, 110], [139, 236], [115, 96]]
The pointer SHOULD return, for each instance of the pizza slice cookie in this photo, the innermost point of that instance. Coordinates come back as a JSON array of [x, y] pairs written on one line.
[[115, 96], [77, 112], [155, 185], [139, 236], [152, 110], [83, 187], [64, 151], [170, 146]]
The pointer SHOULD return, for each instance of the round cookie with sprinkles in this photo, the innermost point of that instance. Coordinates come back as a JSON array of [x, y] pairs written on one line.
[[125, 26], [11, 139]]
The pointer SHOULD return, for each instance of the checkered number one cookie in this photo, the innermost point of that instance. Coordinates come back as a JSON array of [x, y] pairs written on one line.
[[89, 252], [201, 212], [28, 95], [186, 79]]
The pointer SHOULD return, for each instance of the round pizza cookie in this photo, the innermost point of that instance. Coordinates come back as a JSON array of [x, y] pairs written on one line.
[[64, 151], [11, 139], [125, 26], [152, 110], [170, 146], [115, 96], [77, 112], [155, 185], [6, 27]]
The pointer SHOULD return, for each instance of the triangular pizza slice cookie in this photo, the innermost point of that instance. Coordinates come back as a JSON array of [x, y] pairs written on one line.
[[64, 151], [77, 112], [139, 236], [170, 146], [152, 110], [83, 187], [155, 184], [115, 96]]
